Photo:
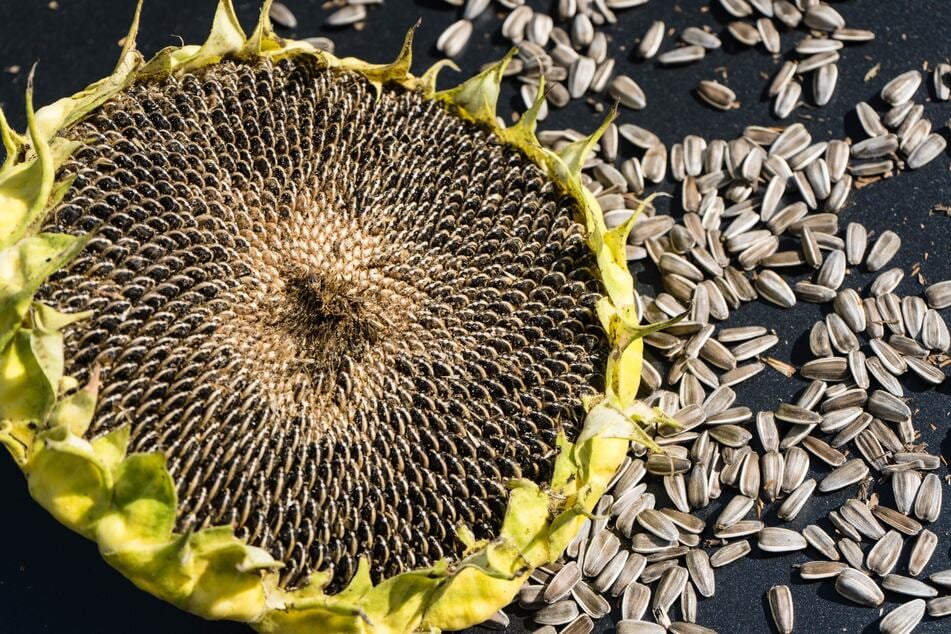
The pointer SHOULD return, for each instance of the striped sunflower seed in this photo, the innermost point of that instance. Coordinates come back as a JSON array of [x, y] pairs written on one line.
[[832, 272], [797, 499], [634, 602], [859, 588], [939, 607], [781, 607], [921, 552], [774, 539], [824, 451], [682, 55], [593, 604], [938, 295], [560, 585], [559, 613], [822, 17], [851, 472], [818, 570], [904, 618], [717, 95], [282, 16], [627, 92], [884, 249], [787, 100], [701, 572], [899, 521], [728, 554], [669, 588], [824, 82], [902, 88], [699, 37], [926, 151], [601, 549], [350, 14], [908, 586], [884, 554], [652, 40], [860, 516], [734, 511], [928, 502], [633, 626], [796, 468], [934, 332], [821, 541], [744, 33]]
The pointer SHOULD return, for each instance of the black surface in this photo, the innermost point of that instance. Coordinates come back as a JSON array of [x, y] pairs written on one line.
[[52, 580]]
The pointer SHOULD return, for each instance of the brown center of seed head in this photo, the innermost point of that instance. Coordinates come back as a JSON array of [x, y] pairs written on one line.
[[346, 320]]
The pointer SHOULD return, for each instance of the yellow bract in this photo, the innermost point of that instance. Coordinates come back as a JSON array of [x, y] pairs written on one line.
[[127, 503]]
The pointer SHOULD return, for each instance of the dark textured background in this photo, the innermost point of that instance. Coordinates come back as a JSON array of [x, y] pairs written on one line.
[[52, 580]]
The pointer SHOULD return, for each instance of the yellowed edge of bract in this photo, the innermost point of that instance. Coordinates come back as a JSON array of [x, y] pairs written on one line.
[[127, 502]]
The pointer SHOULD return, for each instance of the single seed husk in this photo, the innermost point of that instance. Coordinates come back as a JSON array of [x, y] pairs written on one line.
[[858, 588], [899, 521], [939, 607], [669, 588], [774, 539], [560, 585], [908, 586], [559, 613], [781, 607], [635, 601], [928, 502], [904, 618], [819, 570], [728, 554], [921, 552], [860, 516], [593, 604], [884, 554], [821, 541], [851, 472], [634, 626], [797, 499]]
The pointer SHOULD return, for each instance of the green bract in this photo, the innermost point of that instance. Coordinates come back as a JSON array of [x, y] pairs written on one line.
[[127, 502]]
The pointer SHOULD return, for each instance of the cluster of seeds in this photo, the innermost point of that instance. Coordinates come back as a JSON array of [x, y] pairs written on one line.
[[758, 218]]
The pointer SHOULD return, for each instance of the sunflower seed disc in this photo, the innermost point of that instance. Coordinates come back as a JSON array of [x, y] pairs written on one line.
[[858, 588], [781, 607], [852, 471], [728, 554], [921, 552], [821, 541], [819, 570], [884, 554], [939, 607], [904, 618]]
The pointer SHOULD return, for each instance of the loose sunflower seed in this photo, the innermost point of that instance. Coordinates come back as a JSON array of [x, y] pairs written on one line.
[[851, 472], [559, 613], [900, 522], [926, 151], [905, 486], [818, 570], [581, 625], [627, 92], [908, 586], [832, 273], [860, 516], [884, 554], [934, 332], [590, 601], [634, 602], [669, 588], [728, 554], [824, 451], [781, 607], [602, 548], [632, 569], [652, 40], [883, 250], [822, 17], [774, 539], [921, 552], [349, 14], [560, 585], [928, 502], [942, 578], [717, 95], [744, 33], [902, 88], [639, 627], [939, 607], [858, 588], [824, 81], [904, 618], [282, 16], [769, 35], [701, 572], [887, 406], [683, 55], [792, 505], [820, 540], [734, 511]]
